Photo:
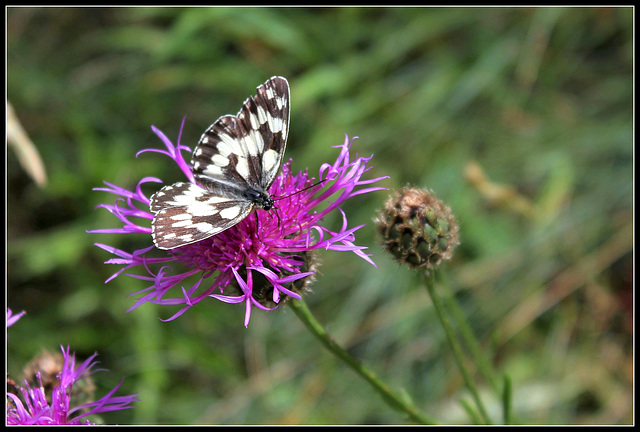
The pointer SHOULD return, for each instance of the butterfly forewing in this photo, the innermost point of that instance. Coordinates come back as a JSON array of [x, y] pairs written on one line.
[[187, 213], [235, 162]]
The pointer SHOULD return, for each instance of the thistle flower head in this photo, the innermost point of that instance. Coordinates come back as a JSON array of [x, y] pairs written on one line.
[[417, 229], [266, 257], [33, 405]]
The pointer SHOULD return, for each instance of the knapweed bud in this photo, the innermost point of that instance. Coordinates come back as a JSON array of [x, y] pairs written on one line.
[[417, 228]]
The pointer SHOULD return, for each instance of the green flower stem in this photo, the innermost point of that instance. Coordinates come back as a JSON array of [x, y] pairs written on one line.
[[506, 400], [394, 400], [504, 391], [455, 346], [471, 412], [480, 360]]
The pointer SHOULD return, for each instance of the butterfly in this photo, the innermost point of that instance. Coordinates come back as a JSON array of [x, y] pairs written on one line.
[[235, 162]]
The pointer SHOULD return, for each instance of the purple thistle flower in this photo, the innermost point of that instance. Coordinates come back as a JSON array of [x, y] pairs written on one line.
[[256, 262], [36, 410]]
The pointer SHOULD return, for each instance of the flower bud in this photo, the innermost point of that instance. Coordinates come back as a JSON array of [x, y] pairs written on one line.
[[417, 228]]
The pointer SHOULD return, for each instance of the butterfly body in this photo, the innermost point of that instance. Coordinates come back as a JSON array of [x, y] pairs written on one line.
[[235, 162]]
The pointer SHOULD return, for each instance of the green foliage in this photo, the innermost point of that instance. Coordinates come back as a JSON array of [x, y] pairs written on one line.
[[540, 99]]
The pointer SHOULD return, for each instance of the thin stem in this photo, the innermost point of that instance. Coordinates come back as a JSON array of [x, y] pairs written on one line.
[[471, 412], [392, 399], [481, 361], [506, 400], [455, 346]]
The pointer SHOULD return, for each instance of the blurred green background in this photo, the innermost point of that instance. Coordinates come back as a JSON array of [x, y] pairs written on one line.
[[520, 119]]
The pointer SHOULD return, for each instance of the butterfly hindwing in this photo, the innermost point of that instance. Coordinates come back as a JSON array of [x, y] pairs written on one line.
[[235, 162], [264, 121], [247, 148]]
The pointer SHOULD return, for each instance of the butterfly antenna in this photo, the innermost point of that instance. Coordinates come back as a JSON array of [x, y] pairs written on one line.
[[301, 190]]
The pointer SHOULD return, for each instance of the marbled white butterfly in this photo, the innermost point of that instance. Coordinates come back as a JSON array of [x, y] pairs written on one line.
[[235, 162]]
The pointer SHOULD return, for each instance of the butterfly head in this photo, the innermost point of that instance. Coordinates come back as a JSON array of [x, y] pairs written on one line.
[[259, 197]]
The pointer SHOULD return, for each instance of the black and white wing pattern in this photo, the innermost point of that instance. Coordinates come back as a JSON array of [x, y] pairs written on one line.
[[235, 163]]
